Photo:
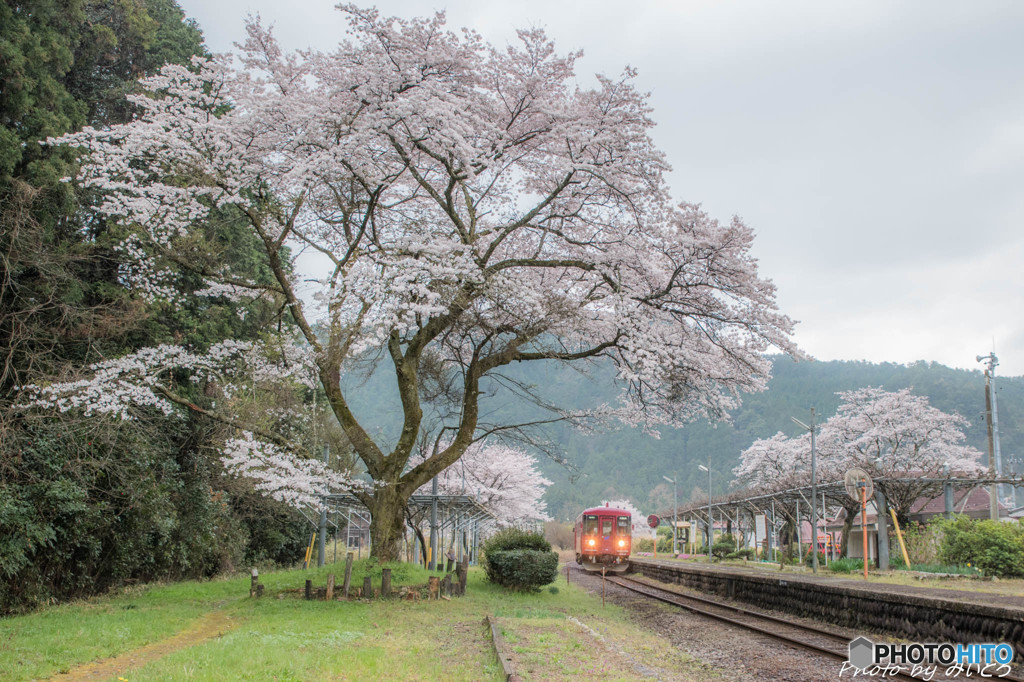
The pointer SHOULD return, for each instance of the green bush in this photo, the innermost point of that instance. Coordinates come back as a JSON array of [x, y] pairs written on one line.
[[993, 547], [515, 538], [519, 560], [664, 539], [745, 553], [725, 544], [846, 565], [525, 570]]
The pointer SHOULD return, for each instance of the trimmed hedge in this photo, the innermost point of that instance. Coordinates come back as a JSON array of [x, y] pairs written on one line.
[[519, 560], [522, 569], [515, 538]]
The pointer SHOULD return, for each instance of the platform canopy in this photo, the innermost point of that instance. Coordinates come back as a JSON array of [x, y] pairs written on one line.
[[747, 501]]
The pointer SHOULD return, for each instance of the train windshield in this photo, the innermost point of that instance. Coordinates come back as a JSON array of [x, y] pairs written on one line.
[[589, 524], [606, 526], [623, 526]]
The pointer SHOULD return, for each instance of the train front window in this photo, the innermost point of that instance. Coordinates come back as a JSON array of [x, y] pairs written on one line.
[[606, 526], [590, 524], [623, 526]]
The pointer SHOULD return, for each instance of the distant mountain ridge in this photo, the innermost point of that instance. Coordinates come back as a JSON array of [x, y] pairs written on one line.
[[626, 463]]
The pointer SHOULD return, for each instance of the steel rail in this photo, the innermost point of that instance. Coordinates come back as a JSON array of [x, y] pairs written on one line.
[[746, 612], [649, 590]]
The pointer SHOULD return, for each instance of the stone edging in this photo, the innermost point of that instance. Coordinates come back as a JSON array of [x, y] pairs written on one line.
[[499, 649]]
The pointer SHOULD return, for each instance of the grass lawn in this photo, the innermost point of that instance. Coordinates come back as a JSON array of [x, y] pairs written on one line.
[[559, 633]]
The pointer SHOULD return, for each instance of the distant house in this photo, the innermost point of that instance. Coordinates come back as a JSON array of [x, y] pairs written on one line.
[[973, 503]]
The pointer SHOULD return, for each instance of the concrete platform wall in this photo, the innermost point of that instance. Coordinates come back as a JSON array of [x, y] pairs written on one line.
[[913, 617]]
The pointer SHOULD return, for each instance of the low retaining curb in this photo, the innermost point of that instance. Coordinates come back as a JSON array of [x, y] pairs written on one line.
[[499, 648], [904, 613]]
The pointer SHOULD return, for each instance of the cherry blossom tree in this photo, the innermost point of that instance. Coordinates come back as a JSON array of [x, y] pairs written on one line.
[[503, 479], [897, 437], [902, 441], [773, 463], [477, 208]]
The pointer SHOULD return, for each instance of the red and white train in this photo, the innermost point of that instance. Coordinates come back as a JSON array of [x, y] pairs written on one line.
[[603, 537]]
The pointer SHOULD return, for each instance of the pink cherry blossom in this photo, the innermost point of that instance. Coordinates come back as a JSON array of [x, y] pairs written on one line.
[[478, 207]]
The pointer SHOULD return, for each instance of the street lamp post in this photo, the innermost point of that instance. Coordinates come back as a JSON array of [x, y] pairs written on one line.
[[675, 516], [711, 524], [814, 494]]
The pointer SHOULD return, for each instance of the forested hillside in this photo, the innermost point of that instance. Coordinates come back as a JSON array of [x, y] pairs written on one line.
[[88, 502], [626, 463]]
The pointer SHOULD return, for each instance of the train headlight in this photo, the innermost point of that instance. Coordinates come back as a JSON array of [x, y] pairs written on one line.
[[591, 542], [622, 543]]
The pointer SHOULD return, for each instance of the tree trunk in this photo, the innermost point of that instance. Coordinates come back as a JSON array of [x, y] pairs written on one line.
[[844, 540], [387, 524]]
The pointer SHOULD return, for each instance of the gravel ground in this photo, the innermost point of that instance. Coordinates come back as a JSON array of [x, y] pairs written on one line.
[[732, 653]]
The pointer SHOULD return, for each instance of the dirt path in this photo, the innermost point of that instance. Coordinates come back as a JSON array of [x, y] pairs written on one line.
[[211, 625]]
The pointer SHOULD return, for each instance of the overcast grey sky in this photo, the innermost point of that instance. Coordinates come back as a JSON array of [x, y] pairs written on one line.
[[876, 147]]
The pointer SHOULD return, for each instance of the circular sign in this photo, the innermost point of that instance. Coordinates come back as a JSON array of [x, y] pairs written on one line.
[[856, 479], [653, 521]]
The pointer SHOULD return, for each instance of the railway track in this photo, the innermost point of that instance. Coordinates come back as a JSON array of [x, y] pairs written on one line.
[[798, 635]]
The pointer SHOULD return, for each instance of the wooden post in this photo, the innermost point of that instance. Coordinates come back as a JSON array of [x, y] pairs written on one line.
[[330, 587], [899, 536], [602, 586], [446, 585], [385, 583], [348, 575], [309, 589], [254, 586], [309, 551], [434, 584], [465, 575], [367, 588], [567, 574]]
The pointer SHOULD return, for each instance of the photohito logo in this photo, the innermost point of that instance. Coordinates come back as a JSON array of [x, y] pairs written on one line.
[[925, 660]]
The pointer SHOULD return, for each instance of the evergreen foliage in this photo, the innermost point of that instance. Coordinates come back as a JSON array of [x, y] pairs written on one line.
[[519, 560], [87, 504], [724, 546], [515, 538], [993, 547]]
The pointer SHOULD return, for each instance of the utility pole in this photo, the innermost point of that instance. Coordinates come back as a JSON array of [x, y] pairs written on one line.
[[993, 362], [321, 554], [675, 514], [993, 495], [711, 522], [433, 525], [814, 493]]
